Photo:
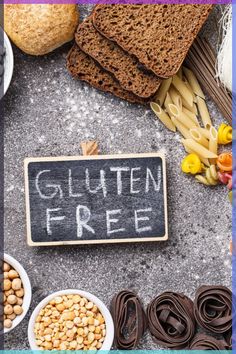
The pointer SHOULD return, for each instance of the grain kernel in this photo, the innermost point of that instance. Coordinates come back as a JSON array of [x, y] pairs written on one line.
[[80, 340], [80, 331], [91, 337], [58, 300], [77, 320], [89, 305], [70, 333]]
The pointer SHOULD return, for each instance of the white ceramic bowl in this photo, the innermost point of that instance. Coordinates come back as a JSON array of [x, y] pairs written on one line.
[[8, 62], [27, 288], [101, 306]]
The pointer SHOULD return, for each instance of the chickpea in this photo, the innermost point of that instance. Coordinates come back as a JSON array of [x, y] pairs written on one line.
[[16, 284], [7, 323], [20, 292], [9, 292], [7, 284], [12, 316], [12, 299], [8, 310], [19, 301], [17, 310], [12, 274], [6, 267]]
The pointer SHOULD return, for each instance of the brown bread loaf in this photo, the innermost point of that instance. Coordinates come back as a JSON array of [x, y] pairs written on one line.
[[83, 67], [158, 35], [126, 69]]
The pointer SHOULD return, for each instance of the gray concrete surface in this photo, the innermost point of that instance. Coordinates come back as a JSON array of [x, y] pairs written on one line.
[[48, 114]]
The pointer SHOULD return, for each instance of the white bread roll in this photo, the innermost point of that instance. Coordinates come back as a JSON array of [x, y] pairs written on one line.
[[39, 29]]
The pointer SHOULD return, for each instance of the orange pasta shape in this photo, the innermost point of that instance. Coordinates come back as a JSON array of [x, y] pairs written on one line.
[[225, 162]]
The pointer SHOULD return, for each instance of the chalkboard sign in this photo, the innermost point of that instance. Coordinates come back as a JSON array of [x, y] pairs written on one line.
[[96, 199]]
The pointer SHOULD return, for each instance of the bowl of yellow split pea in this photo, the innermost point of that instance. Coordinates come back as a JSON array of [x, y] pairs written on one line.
[[71, 320]]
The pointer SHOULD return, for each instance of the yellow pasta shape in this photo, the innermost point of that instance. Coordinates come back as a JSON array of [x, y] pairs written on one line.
[[204, 113], [182, 89], [193, 82], [225, 134], [199, 149], [162, 91], [196, 135], [192, 108], [180, 72], [210, 178], [175, 97], [163, 116], [213, 142], [190, 89], [205, 132], [191, 115], [172, 109], [189, 151], [184, 119], [167, 101], [181, 128]]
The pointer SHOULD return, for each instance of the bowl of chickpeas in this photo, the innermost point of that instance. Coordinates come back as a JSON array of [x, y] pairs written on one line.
[[16, 293], [71, 320]]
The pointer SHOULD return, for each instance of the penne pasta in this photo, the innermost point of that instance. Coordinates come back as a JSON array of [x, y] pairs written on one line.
[[185, 120], [181, 128], [190, 89], [191, 109], [197, 136], [162, 91], [168, 100], [199, 149], [182, 89], [213, 143], [191, 115], [204, 113], [172, 110], [163, 116], [180, 73], [193, 82], [175, 97], [204, 132], [203, 160]]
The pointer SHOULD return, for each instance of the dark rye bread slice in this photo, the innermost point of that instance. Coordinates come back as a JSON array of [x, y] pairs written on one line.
[[126, 69], [158, 35], [83, 67]]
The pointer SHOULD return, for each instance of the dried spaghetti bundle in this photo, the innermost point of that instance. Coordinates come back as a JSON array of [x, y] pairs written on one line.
[[201, 59]]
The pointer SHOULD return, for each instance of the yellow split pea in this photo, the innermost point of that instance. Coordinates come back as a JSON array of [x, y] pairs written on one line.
[[70, 322]]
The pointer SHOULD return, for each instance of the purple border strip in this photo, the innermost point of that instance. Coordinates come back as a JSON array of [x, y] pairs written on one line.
[[117, 2], [234, 177]]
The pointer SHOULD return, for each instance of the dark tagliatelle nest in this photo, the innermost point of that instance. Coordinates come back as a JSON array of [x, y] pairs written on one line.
[[213, 308], [171, 320], [205, 342], [129, 319]]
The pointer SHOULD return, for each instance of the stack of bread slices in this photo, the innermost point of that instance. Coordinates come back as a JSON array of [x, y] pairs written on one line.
[[128, 50]]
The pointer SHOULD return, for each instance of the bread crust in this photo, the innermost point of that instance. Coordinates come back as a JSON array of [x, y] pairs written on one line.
[[126, 68], [38, 29], [158, 35], [83, 67]]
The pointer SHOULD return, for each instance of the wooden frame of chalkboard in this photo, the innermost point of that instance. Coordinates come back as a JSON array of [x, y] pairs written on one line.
[[126, 239]]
